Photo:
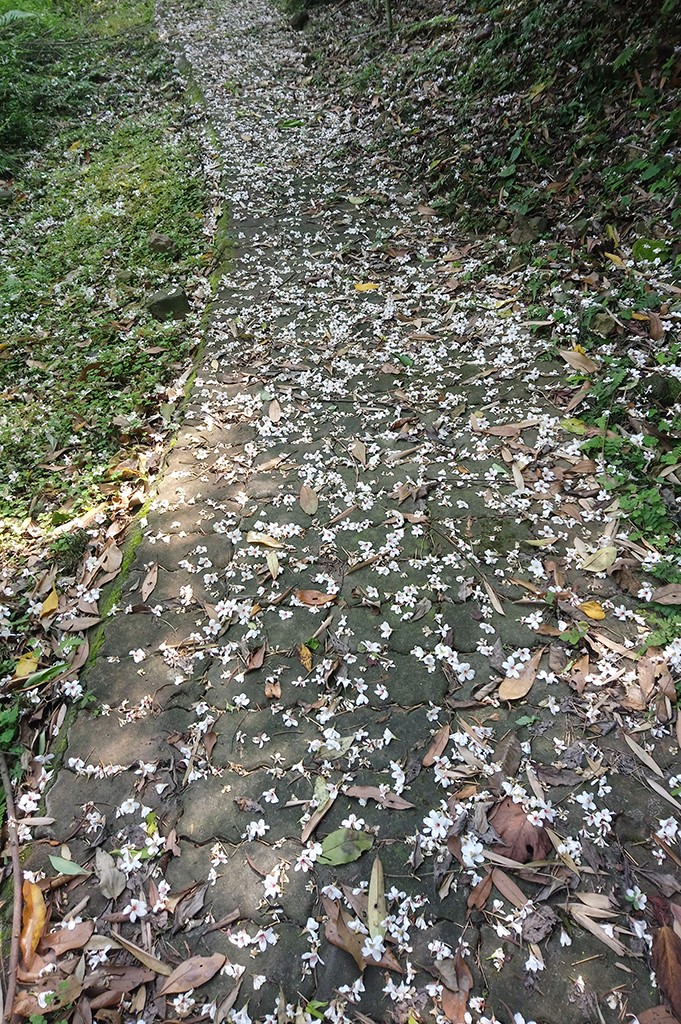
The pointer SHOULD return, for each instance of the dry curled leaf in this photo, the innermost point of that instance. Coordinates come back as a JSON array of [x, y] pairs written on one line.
[[192, 974], [521, 841], [667, 964], [599, 560], [33, 920], [149, 582], [514, 688], [253, 537], [309, 502], [458, 982], [256, 658], [437, 747], [314, 598], [305, 656], [578, 360], [273, 564]]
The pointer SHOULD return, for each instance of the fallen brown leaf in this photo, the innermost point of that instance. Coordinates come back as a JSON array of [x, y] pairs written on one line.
[[513, 689], [521, 841], [309, 502], [458, 982], [33, 921], [667, 964], [314, 598], [192, 974], [437, 747]]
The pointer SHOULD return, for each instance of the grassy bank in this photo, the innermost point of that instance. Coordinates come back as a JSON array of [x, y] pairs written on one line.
[[97, 153]]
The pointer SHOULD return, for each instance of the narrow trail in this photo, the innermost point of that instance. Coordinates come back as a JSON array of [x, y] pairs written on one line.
[[325, 599]]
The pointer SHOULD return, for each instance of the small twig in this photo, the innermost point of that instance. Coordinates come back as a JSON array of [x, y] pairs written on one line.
[[13, 840]]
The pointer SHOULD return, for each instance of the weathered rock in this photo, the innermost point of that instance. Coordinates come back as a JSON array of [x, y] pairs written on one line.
[[528, 229], [158, 242], [299, 20], [603, 324], [169, 304], [7, 196]]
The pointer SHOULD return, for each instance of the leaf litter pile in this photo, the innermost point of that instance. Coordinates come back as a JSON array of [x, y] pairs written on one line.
[[378, 730]]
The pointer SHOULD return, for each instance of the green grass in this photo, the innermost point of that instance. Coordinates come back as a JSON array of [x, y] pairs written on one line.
[[83, 367]]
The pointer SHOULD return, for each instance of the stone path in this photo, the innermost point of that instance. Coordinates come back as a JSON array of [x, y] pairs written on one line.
[[323, 598]]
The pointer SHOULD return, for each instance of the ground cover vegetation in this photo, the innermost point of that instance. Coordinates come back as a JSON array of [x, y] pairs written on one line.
[[100, 206], [385, 724]]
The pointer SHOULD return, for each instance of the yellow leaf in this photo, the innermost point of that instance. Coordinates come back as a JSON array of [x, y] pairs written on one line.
[[305, 655], [26, 665], [615, 259], [366, 286], [593, 610], [50, 604], [252, 537]]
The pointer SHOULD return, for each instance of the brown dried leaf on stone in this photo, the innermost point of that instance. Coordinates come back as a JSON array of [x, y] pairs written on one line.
[[521, 841], [63, 939], [513, 689], [314, 598], [256, 658], [33, 920], [244, 803], [508, 888], [192, 974], [458, 982], [669, 594], [657, 1015], [539, 924], [309, 502], [437, 747], [149, 582], [305, 656], [479, 894], [209, 741], [112, 881], [272, 689], [667, 964], [338, 934]]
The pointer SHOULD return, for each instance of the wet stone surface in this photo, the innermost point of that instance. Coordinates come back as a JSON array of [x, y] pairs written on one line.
[[342, 563]]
